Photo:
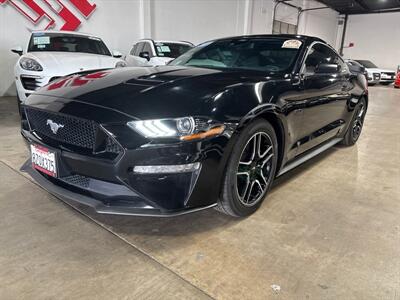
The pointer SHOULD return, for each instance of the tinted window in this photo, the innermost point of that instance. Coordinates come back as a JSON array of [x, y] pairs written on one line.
[[67, 43], [321, 54], [139, 48], [133, 50], [171, 49], [367, 63], [147, 48], [267, 54]]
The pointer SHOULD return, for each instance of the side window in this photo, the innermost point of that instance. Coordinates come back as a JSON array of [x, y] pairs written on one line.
[[147, 48], [138, 48], [320, 54], [133, 50]]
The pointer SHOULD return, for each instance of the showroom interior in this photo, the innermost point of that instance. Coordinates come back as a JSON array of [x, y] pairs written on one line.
[[329, 227]]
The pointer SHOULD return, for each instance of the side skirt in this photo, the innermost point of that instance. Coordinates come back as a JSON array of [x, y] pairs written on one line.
[[308, 156]]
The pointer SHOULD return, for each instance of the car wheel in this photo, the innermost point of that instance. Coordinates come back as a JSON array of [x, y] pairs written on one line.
[[250, 170], [356, 125]]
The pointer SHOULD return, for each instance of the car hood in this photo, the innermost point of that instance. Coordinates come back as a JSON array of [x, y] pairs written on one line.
[[145, 93], [378, 70], [64, 63]]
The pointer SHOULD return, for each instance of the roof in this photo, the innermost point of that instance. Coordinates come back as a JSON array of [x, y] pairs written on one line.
[[165, 41], [304, 38], [63, 32]]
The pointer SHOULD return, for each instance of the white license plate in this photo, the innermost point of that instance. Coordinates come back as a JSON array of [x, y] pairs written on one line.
[[44, 160]]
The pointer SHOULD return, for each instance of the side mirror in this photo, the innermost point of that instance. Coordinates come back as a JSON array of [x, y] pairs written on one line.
[[327, 69], [17, 50], [116, 54], [145, 55]]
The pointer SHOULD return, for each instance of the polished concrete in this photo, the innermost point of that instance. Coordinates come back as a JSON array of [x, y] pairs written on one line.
[[330, 229]]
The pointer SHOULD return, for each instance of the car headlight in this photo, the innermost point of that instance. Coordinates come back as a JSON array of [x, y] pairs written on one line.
[[30, 64], [185, 129], [120, 64]]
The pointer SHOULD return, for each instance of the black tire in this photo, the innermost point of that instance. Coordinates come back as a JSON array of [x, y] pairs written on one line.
[[357, 122], [260, 168]]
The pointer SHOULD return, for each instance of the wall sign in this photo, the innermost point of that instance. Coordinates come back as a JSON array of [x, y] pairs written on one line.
[[37, 11]]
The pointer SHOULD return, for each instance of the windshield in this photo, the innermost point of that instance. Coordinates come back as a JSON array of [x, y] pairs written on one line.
[[67, 43], [366, 63], [171, 49], [262, 54]]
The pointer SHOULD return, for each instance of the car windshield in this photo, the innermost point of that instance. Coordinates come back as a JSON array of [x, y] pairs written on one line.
[[171, 49], [261, 54], [67, 43], [367, 63]]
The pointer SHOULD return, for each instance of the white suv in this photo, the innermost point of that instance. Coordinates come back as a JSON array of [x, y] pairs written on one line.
[[386, 76], [148, 52]]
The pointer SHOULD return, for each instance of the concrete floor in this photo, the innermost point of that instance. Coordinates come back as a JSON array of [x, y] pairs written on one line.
[[329, 230]]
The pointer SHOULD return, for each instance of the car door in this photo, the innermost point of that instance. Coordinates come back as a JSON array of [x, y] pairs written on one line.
[[130, 57], [150, 52], [325, 89], [133, 59]]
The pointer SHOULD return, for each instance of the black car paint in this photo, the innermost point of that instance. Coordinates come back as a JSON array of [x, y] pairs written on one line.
[[305, 111]]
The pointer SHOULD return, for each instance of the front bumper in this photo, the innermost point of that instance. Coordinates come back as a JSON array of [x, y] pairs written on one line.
[[111, 186], [28, 83], [135, 207]]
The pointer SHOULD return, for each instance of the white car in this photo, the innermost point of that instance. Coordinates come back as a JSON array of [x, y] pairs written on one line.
[[385, 76], [148, 52], [53, 54]]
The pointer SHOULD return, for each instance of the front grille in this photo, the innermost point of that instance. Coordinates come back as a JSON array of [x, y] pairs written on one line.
[[72, 131], [77, 180], [29, 83], [77, 132]]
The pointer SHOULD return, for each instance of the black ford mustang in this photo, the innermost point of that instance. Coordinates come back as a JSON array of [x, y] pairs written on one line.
[[213, 128]]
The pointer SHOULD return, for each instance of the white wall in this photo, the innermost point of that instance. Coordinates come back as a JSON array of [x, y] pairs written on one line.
[[117, 22], [322, 23], [376, 38], [121, 22]]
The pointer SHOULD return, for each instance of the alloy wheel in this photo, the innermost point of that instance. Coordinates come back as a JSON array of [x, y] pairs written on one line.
[[254, 170], [359, 120]]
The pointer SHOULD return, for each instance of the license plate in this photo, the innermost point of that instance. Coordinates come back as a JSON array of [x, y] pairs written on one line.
[[44, 160]]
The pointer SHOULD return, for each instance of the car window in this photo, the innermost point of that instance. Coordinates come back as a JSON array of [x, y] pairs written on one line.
[[321, 54], [260, 54], [60, 42], [133, 50], [171, 49], [139, 48], [147, 48], [367, 64]]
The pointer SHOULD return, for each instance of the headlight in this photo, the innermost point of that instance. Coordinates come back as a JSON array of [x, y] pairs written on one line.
[[186, 128], [120, 64], [30, 64]]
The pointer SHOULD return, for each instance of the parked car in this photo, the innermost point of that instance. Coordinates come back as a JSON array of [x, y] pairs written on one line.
[[386, 76], [211, 129], [53, 54], [148, 52], [397, 81], [356, 68]]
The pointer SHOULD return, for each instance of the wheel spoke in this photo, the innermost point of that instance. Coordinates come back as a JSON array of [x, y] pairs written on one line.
[[267, 160], [247, 198], [265, 152]]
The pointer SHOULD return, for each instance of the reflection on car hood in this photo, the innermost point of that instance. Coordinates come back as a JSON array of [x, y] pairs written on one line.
[[64, 63], [378, 70], [145, 92]]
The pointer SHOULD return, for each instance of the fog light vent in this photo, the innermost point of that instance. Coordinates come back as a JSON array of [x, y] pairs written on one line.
[[167, 169]]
